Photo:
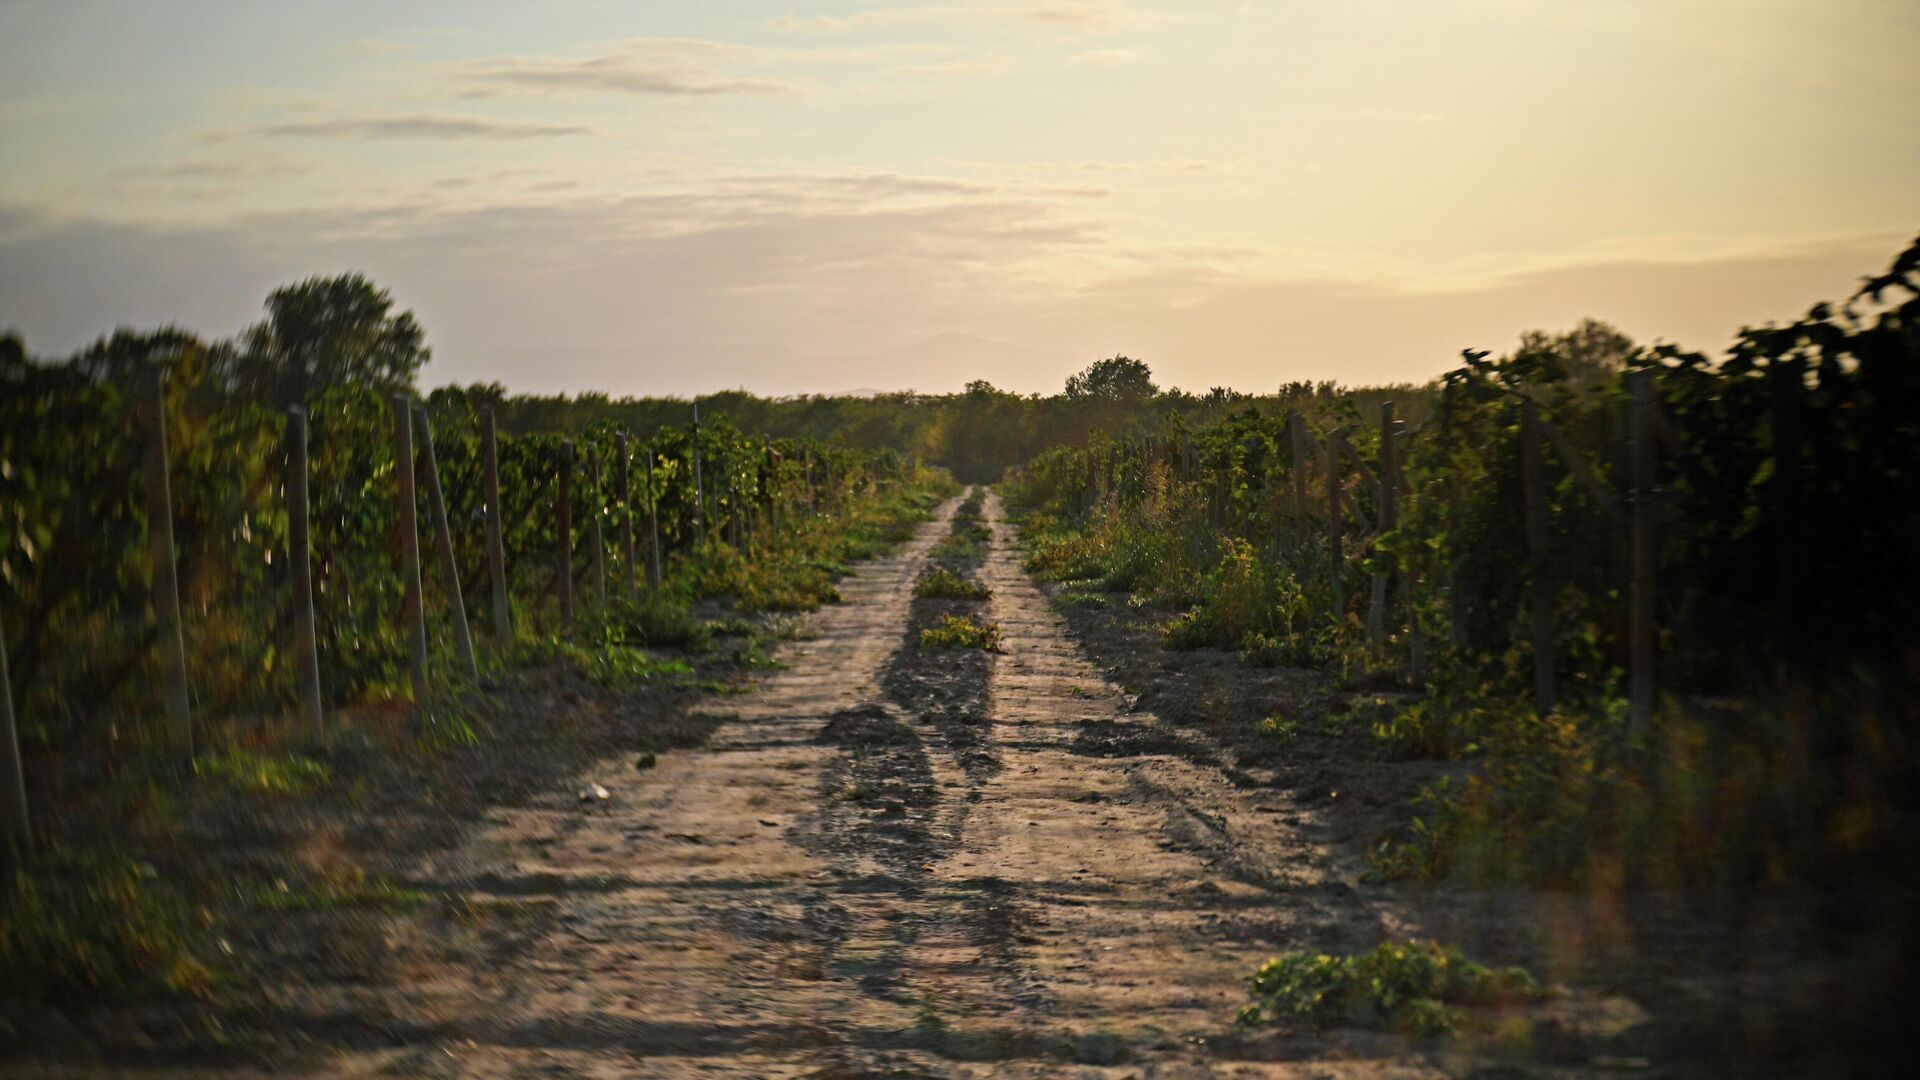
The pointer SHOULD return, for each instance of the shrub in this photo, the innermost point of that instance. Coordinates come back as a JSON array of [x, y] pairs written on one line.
[[1246, 603], [79, 930]]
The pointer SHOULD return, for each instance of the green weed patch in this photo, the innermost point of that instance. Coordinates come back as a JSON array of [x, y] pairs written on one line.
[[940, 583], [245, 770], [961, 632], [1413, 987]]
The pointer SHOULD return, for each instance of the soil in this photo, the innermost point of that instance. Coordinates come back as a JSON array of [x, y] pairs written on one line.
[[896, 861]]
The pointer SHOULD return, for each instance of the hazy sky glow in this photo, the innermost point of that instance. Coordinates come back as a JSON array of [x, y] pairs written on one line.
[[654, 197]]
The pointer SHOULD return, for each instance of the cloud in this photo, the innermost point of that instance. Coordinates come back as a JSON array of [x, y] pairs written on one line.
[[688, 67], [765, 281], [857, 185], [200, 169], [1062, 16], [406, 127]]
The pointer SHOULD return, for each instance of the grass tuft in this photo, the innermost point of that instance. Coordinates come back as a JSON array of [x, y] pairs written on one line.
[[940, 583], [961, 632], [1413, 987]]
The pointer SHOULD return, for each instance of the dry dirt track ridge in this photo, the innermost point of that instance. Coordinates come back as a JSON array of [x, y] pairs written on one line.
[[886, 862]]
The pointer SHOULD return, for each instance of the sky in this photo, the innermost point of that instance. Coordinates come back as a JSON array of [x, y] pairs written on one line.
[[650, 198]]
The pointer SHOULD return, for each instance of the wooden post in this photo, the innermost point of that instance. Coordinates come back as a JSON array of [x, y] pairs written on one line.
[[166, 584], [699, 486], [1410, 576], [1416, 633], [1335, 562], [770, 464], [1297, 433], [1387, 493], [563, 530], [413, 617], [624, 478], [596, 534], [443, 541], [653, 527], [1786, 383], [1640, 655], [496, 545], [733, 509], [1540, 591], [1456, 601], [13, 775], [306, 638]]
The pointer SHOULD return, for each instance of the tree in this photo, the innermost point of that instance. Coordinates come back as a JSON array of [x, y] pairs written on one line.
[[1592, 352], [1119, 379], [325, 332]]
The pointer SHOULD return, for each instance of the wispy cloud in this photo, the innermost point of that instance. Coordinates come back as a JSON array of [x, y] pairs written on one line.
[[201, 169], [405, 127], [1065, 16], [668, 66]]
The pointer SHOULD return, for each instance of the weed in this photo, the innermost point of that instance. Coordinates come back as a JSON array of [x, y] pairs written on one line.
[[940, 583], [959, 546], [79, 929], [1280, 730], [1083, 598], [1413, 987], [245, 770], [657, 618], [961, 632]]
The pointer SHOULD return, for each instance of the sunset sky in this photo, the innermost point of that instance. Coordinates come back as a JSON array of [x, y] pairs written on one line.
[[667, 198]]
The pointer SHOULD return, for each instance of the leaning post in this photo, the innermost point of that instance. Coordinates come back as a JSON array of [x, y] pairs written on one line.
[[1546, 692], [1640, 656], [166, 584], [653, 527], [1389, 496], [563, 530], [306, 638], [443, 542], [596, 534], [624, 479], [13, 802], [496, 546], [699, 486], [1297, 431], [413, 616], [1335, 561]]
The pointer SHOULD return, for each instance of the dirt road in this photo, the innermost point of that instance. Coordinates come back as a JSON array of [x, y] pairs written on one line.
[[888, 861]]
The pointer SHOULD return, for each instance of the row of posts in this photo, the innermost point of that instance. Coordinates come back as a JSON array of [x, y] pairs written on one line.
[[410, 423], [1638, 522]]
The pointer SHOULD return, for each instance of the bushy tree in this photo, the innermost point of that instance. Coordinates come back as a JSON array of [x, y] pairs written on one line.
[[1118, 379], [325, 332]]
